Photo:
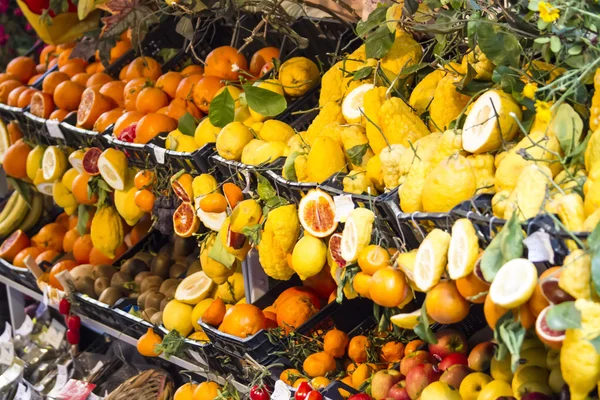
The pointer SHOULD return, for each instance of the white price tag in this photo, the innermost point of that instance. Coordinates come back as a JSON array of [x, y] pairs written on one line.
[[54, 130], [159, 154], [7, 334], [97, 367], [22, 393], [343, 206], [62, 377], [55, 334], [26, 327], [92, 396], [7, 353], [281, 391], [539, 247]]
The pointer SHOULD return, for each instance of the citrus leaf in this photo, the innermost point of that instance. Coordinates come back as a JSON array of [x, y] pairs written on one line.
[[423, 329], [220, 254], [511, 243], [289, 168], [375, 19], [563, 316], [499, 45], [187, 124], [491, 261], [84, 7], [362, 73], [596, 268], [356, 153], [263, 101], [379, 43], [254, 233], [82, 219], [510, 334], [22, 188], [273, 203], [568, 127], [222, 109], [594, 239], [185, 28], [264, 188]]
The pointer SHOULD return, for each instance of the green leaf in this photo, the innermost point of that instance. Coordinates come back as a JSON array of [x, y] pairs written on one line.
[[596, 343], [254, 233], [563, 316], [356, 153], [101, 184], [362, 73], [491, 261], [222, 109], [263, 101], [273, 203], [289, 168], [555, 45], [22, 188], [594, 239], [83, 216], [511, 243], [423, 329], [510, 333], [596, 267], [166, 54], [84, 7], [533, 5], [568, 127], [187, 124], [379, 43], [375, 19], [185, 28], [509, 80], [220, 254], [467, 78], [498, 44], [542, 40], [575, 50], [264, 188]]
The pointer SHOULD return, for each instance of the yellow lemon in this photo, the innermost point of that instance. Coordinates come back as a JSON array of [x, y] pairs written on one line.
[[178, 316], [34, 161]]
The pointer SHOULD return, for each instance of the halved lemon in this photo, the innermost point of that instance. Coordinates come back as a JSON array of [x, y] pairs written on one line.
[[112, 164], [514, 283], [54, 163], [41, 184], [406, 320], [4, 140], [194, 288], [34, 161], [316, 212], [76, 159], [432, 257], [463, 249], [357, 233], [352, 106]]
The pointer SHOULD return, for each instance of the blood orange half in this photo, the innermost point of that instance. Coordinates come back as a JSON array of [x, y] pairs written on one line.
[[13, 244], [185, 221], [90, 161], [335, 250], [317, 213], [182, 186], [549, 336]]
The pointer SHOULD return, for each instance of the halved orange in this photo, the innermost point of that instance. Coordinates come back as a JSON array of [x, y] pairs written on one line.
[[185, 221], [92, 106], [182, 186], [317, 213], [13, 244]]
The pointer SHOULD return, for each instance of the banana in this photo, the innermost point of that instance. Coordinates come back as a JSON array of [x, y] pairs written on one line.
[[10, 223], [9, 205], [35, 212]]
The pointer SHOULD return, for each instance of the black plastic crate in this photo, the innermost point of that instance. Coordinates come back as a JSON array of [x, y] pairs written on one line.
[[20, 275], [138, 155], [9, 113], [80, 137], [290, 190], [243, 174], [197, 162], [97, 311]]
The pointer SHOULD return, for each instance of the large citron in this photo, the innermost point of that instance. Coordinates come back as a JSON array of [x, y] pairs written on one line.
[[107, 230]]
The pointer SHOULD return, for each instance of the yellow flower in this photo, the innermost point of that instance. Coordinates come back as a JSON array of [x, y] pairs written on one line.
[[529, 90], [548, 13], [542, 109]]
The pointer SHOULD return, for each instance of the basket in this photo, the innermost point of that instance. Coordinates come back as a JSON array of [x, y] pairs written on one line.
[[82, 137], [137, 154], [291, 190], [243, 174], [197, 162]]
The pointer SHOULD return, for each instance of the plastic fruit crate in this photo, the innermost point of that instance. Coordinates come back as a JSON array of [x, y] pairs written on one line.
[[198, 162], [80, 137], [243, 175], [291, 190]]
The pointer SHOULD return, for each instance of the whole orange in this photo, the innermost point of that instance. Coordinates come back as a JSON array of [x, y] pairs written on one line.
[[22, 67], [13, 97], [185, 89], [413, 346], [58, 268], [82, 248], [59, 114], [19, 260], [131, 91], [224, 63], [472, 288], [322, 283], [6, 87], [80, 190], [206, 391], [243, 320], [319, 364], [25, 97], [99, 78], [153, 124], [97, 257], [357, 348], [261, 57], [445, 304], [294, 311], [335, 343], [47, 256], [81, 78], [298, 290], [205, 90], [373, 258], [392, 352], [73, 67], [178, 108], [15, 159], [192, 69], [50, 237], [106, 119], [52, 80], [143, 67], [144, 199], [125, 120], [114, 91], [151, 99], [67, 95], [388, 287], [168, 82], [69, 240]]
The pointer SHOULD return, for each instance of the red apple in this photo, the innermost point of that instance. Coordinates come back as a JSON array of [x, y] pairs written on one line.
[[415, 358], [453, 359], [419, 378], [455, 374], [481, 356], [398, 392], [382, 382], [449, 341]]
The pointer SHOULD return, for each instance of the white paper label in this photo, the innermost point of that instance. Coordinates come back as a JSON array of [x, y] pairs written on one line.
[[54, 130], [7, 353], [7, 334], [539, 247], [343, 206], [61, 380], [22, 393], [92, 396], [281, 391], [159, 154], [97, 367], [55, 334], [26, 327]]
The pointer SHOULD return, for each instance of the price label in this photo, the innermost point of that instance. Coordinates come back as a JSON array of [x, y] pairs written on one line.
[[54, 129], [281, 391], [539, 248], [22, 393], [97, 367], [92, 396], [61, 380], [55, 334], [7, 334], [343, 206], [26, 327], [159, 154], [7, 353]]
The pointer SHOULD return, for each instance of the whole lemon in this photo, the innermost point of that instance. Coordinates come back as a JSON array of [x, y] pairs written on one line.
[[232, 139], [309, 256], [178, 316], [298, 75], [233, 290], [246, 213], [206, 132]]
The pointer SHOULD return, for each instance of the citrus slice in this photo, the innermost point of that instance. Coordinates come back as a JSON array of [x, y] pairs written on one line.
[[514, 283], [213, 221], [546, 334], [76, 160], [194, 288], [34, 161], [13, 244], [41, 184], [90, 161], [185, 221], [54, 163], [4, 140], [317, 213], [112, 165], [182, 186], [92, 106], [407, 320], [334, 251], [357, 233], [463, 249], [352, 106], [432, 256], [490, 122]]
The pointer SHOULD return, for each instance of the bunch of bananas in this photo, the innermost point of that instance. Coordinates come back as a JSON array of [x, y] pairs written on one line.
[[18, 214]]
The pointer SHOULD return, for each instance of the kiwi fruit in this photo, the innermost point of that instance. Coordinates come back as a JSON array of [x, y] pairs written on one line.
[[100, 284], [133, 266], [119, 279], [145, 257], [170, 292], [141, 276], [153, 300], [183, 246], [167, 284], [156, 318], [110, 295], [103, 271], [134, 295], [166, 250], [164, 303], [194, 267], [150, 282], [85, 285], [177, 270], [148, 313], [160, 265], [141, 300]]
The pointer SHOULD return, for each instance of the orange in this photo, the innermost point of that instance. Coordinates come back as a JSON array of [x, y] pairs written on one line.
[[63, 219], [205, 90], [59, 114], [392, 352], [132, 90], [72, 68], [538, 302], [357, 348], [81, 78], [243, 320], [206, 391], [261, 57], [319, 383], [298, 290], [294, 311], [7, 77], [114, 91], [388, 287], [224, 63], [52, 80], [93, 105], [69, 240], [65, 265], [493, 313], [233, 194], [169, 82], [128, 118], [185, 391], [178, 108], [48, 256], [143, 67], [120, 48], [41, 104], [92, 68], [322, 283], [214, 203], [50, 237], [19, 260], [290, 375], [22, 67], [67, 95], [34, 79], [185, 89], [472, 288], [335, 343], [123, 73], [192, 69], [185, 221], [361, 373], [106, 119], [53, 63], [151, 99], [153, 124], [140, 230], [373, 258], [413, 346], [97, 258], [80, 190], [319, 364], [215, 312], [445, 304], [82, 248], [64, 57], [144, 199], [99, 78], [13, 244], [6, 87], [40, 69], [15, 159], [143, 179], [47, 53], [14, 131], [362, 284], [13, 97], [25, 97]]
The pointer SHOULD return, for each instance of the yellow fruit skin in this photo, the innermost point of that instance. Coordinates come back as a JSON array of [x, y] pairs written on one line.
[[325, 159], [482, 65], [399, 125], [276, 131], [335, 81], [352, 136], [404, 52], [246, 213], [212, 268], [206, 132], [309, 256], [198, 311], [421, 96], [125, 204], [331, 112], [232, 290], [391, 166], [440, 391], [357, 182], [527, 198], [447, 103], [301, 167], [278, 239], [499, 202], [298, 75], [591, 221], [595, 106], [472, 382], [576, 275], [579, 364], [107, 230], [240, 253], [260, 152], [34, 161], [232, 140], [448, 184], [571, 213], [483, 167], [372, 102], [375, 172], [178, 316], [203, 185]]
